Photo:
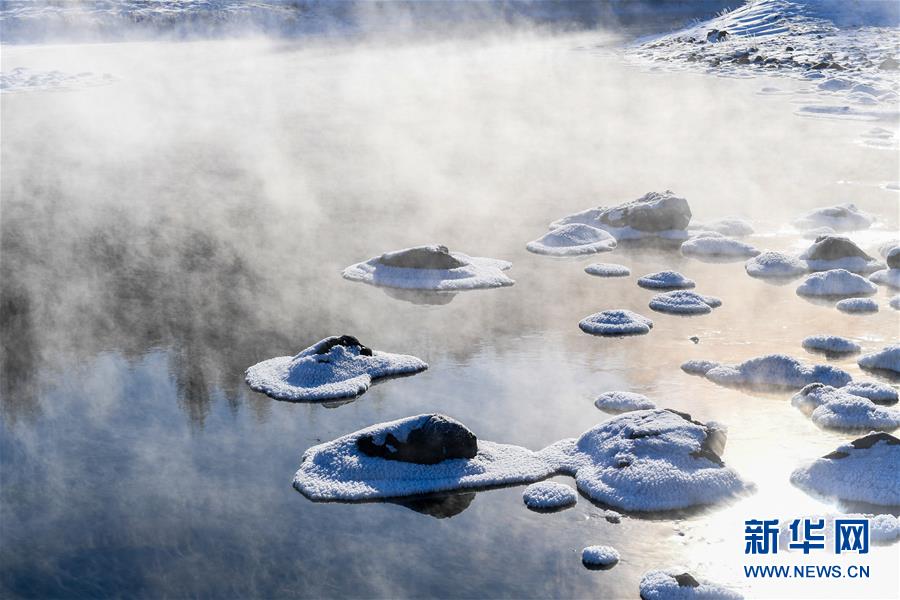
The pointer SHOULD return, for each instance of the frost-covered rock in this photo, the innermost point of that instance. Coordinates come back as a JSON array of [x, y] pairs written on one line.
[[831, 344], [678, 584], [864, 470], [717, 246], [771, 371], [879, 393], [836, 283], [654, 214], [649, 460], [549, 495], [834, 408], [684, 302], [615, 323], [665, 280], [775, 265], [607, 270], [857, 306], [838, 252], [574, 239], [886, 277], [886, 359], [891, 254], [428, 440], [430, 268], [336, 367], [619, 402], [730, 226], [842, 217], [599, 556]]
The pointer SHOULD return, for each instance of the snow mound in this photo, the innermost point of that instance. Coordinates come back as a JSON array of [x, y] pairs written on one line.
[[833, 408], [879, 393], [678, 584], [717, 247], [771, 371], [665, 280], [599, 556], [22, 79], [684, 302], [619, 402], [864, 470], [838, 252], [615, 323], [607, 270], [836, 283], [841, 217], [430, 268], [831, 344], [857, 306], [775, 265], [730, 226], [549, 495], [886, 277], [335, 367], [655, 214], [887, 359], [574, 239]]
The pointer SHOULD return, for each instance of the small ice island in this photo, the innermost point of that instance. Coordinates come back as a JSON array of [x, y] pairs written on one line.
[[333, 368], [432, 268]]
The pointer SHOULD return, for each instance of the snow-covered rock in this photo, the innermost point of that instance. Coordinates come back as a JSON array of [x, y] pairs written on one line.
[[831, 344], [599, 556], [717, 246], [857, 306], [838, 252], [891, 253], [652, 215], [665, 280], [895, 302], [619, 402], [549, 495], [427, 440], [684, 302], [730, 226], [776, 265], [574, 239], [886, 359], [864, 470], [607, 270], [879, 393], [615, 323], [836, 283], [841, 217], [678, 584], [886, 277], [834, 408], [771, 371], [430, 268], [336, 367]]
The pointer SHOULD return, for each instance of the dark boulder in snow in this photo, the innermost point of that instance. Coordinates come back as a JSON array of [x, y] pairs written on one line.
[[429, 441], [653, 212], [422, 257], [347, 341], [833, 247]]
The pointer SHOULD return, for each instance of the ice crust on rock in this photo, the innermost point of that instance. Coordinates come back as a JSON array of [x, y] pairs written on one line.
[[836, 283], [665, 280], [831, 344], [684, 302], [857, 305], [431, 267], [771, 264], [865, 470], [771, 371], [886, 277], [838, 252], [879, 393], [841, 217], [678, 584], [599, 556], [655, 214], [607, 270], [650, 460], [833, 408], [616, 322], [549, 495], [717, 246], [619, 402], [730, 226], [574, 239], [886, 359], [335, 367]]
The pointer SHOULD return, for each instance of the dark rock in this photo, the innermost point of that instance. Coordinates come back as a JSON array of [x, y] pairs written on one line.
[[686, 580], [422, 257], [820, 65], [436, 439], [742, 60], [889, 64], [694, 339], [893, 258], [713, 444], [325, 346], [790, 48], [442, 506], [833, 247], [716, 35], [653, 212], [836, 67], [867, 441]]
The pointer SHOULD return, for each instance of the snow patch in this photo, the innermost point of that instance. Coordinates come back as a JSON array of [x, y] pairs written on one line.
[[832, 408], [607, 270], [836, 283], [684, 302], [771, 371], [772, 264], [717, 247], [549, 495], [886, 359], [599, 556], [619, 402], [574, 239], [858, 306], [615, 323], [665, 280], [678, 584], [831, 344]]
